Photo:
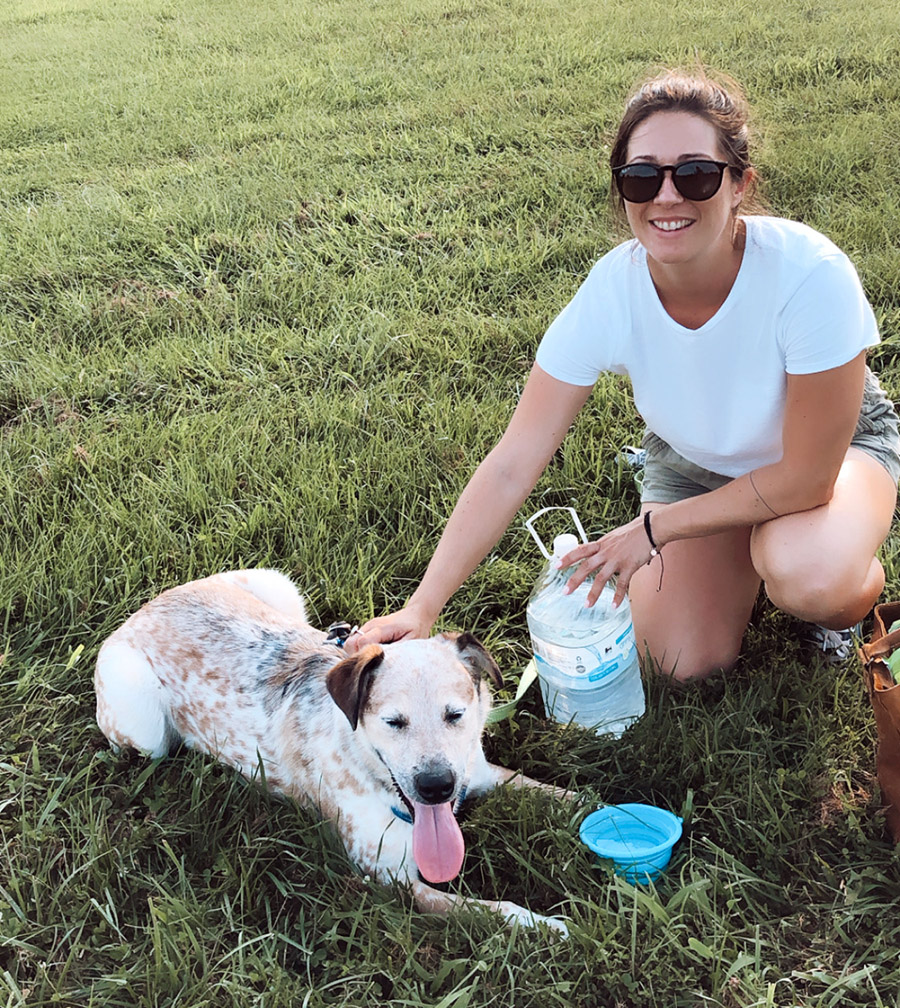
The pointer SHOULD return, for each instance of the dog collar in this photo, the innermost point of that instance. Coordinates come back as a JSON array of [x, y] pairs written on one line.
[[339, 632], [460, 798]]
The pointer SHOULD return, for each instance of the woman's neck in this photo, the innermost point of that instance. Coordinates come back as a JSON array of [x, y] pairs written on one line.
[[693, 292]]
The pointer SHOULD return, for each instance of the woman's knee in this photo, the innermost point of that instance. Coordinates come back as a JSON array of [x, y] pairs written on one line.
[[692, 622], [820, 565], [824, 591]]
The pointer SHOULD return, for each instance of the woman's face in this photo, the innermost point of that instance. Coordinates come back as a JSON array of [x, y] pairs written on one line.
[[672, 229]]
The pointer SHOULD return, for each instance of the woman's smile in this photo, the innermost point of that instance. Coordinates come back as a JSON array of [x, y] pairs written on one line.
[[664, 224]]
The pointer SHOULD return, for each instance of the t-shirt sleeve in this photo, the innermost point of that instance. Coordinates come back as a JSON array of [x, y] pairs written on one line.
[[576, 346], [828, 320]]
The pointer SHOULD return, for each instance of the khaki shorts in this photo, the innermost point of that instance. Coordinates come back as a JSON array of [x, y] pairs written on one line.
[[668, 477]]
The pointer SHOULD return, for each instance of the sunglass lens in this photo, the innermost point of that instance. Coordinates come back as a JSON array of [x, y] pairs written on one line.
[[639, 183], [698, 180]]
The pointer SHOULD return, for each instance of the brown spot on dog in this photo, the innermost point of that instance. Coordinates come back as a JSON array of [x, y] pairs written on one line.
[[341, 778]]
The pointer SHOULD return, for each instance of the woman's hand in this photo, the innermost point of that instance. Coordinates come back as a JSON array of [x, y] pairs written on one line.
[[617, 554], [405, 624]]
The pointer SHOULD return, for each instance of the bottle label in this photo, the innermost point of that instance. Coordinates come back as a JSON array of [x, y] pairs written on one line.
[[588, 663]]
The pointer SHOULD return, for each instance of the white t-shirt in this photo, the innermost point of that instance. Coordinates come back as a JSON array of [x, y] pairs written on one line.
[[716, 394]]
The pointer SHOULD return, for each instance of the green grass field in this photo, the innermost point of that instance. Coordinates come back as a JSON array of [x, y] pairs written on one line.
[[271, 277]]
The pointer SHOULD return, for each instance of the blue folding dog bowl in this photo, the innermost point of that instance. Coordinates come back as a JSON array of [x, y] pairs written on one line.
[[637, 838]]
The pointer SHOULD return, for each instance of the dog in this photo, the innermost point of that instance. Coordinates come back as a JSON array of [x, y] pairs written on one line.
[[385, 744]]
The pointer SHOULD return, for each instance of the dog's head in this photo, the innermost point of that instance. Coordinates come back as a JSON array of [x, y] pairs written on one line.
[[350, 681], [421, 706]]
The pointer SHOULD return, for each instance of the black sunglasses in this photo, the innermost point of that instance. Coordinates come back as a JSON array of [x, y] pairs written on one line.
[[695, 180]]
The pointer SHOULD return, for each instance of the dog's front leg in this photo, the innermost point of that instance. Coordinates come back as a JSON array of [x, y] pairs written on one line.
[[430, 900], [517, 779], [489, 775]]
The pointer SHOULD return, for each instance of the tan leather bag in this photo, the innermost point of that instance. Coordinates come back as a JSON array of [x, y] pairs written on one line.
[[885, 697]]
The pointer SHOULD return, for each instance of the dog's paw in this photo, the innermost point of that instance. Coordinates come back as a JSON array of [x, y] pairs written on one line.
[[556, 925], [514, 914]]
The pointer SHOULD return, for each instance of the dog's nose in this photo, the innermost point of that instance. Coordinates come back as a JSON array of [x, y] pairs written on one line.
[[435, 787]]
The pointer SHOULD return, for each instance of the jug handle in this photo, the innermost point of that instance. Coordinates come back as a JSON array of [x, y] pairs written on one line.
[[529, 524]]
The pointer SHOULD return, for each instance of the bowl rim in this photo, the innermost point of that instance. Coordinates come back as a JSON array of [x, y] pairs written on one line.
[[605, 812]]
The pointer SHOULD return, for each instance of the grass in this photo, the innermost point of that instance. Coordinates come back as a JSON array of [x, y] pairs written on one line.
[[271, 276]]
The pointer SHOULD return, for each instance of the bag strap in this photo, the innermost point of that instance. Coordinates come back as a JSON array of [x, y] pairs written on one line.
[[882, 647]]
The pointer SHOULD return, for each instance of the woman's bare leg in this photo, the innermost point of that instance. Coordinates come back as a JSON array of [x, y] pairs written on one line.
[[692, 619], [817, 565], [820, 565]]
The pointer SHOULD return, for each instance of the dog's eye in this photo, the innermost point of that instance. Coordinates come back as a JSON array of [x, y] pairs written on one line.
[[396, 722], [452, 716]]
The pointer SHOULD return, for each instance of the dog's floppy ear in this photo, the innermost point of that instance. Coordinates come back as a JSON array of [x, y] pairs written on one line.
[[349, 681], [475, 656]]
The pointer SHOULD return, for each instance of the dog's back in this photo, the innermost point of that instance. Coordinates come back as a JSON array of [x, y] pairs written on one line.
[[189, 666]]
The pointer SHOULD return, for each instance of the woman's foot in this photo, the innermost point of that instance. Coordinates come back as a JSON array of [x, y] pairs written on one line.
[[832, 646]]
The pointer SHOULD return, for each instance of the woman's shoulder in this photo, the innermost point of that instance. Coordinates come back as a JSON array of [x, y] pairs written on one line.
[[805, 276], [792, 241]]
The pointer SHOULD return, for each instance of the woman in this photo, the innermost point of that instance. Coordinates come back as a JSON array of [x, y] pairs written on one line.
[[772, 452]]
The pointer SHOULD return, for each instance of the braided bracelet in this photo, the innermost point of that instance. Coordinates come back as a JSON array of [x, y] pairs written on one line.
[[655, 550]]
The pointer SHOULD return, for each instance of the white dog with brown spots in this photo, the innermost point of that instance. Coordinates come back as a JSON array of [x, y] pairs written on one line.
[[385, 744]]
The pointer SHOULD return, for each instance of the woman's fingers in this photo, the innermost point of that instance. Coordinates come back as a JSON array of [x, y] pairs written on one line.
[[396, 626], [587, 558], [617, 555]]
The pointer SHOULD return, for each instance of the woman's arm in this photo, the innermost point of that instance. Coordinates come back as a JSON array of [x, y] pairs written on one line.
[[488, 503], [821, 412]]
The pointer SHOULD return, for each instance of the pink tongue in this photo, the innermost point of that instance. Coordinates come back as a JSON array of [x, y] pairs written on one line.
[[438, 845]]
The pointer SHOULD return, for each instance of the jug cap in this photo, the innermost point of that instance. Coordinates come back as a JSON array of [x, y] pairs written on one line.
[[563, 544]]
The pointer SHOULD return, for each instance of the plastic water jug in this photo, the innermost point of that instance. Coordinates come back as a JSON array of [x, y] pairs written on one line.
[[586, 658]]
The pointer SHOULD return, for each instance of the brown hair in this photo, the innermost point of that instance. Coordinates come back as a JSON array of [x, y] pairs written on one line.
[[720, 102]]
